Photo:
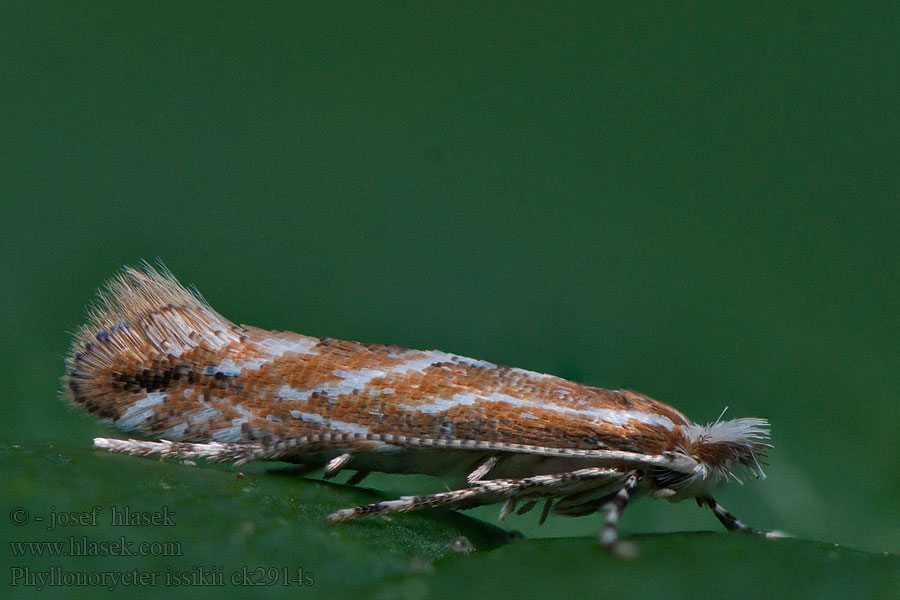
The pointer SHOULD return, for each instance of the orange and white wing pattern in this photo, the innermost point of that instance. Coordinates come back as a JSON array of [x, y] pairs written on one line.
[[156, 359]]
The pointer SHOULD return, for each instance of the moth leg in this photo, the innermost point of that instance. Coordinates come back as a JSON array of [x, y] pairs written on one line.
[[357, 477], [508, 507], [526, 507], [482, 469], [545, 511], [335, 465], [404, 504], [484, 492], [731, 522], [613, 509], [212, 451]]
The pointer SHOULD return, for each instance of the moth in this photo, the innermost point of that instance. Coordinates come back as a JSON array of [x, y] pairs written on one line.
[[155, 359]]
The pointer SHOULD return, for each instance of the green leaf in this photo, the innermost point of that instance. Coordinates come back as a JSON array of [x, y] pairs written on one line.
[[268, 528]]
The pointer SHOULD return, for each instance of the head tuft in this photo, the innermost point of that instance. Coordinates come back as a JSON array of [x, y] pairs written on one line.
[[725, 447], [718, 450]]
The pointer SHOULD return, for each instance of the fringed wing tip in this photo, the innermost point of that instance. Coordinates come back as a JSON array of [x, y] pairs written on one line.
[[140, 313]]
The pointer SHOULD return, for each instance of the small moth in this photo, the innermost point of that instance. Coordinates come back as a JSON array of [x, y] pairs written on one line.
[[156, 359]]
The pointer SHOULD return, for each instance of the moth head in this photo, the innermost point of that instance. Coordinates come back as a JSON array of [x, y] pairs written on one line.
[[721, 451]]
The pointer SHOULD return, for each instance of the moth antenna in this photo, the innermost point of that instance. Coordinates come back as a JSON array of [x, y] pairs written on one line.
[[236, 454]]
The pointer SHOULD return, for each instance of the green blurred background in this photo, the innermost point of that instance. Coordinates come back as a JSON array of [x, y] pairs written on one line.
[[697, 203]]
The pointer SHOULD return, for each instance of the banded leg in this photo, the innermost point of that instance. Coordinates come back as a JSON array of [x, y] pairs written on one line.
[[482, 469], [334, 466], [613, 509], [731, 522], [488, 492]]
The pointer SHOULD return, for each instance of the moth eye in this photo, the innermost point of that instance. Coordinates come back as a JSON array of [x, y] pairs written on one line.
[[667, 478]]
